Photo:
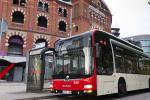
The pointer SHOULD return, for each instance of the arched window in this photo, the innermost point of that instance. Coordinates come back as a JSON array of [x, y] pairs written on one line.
[[16, 2], [19, 2], [22, 2], [62, 26], [42, 21], [46, 7], [67, 0], [18, 17], [40, 6], [60, 10], [42, 41], [76, 28], [65, 13], [15, 46]]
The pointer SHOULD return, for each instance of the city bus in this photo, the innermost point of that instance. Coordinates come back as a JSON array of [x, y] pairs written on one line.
[[98, 63]]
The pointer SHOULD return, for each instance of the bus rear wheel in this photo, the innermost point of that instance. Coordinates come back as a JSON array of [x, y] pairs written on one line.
[[121, 88]]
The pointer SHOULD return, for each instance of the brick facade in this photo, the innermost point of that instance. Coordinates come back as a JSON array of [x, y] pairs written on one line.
[[91, 14], [86, 15], [32, 21], [29, 31]]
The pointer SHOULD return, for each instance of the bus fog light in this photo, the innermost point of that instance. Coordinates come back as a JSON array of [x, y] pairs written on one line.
[[88, 91], [88, 86]]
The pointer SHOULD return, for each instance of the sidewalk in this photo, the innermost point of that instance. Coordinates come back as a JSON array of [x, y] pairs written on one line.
[[2, 81], [13, 91]]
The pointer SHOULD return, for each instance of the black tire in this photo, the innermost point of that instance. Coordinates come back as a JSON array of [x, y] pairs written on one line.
[[121, 88]]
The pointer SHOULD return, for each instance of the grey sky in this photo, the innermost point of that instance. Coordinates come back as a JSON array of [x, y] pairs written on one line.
[[131, 16]]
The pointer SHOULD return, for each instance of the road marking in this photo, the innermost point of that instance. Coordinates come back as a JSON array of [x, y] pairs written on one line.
[[6, 70]]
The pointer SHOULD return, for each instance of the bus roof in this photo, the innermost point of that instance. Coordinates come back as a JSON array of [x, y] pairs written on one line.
[[91, 32]]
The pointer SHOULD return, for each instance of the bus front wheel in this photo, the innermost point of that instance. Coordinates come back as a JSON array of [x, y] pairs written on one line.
[[121, 88]]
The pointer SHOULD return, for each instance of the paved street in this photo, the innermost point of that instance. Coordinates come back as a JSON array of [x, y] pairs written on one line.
[[13, 91], [17, 91], [130, 96]]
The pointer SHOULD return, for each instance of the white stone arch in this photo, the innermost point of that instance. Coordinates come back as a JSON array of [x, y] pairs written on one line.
[[40, 36], [20, 10], [44, 15], [16, 33]]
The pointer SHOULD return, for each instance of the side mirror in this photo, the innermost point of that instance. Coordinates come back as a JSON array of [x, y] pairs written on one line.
[[98, 51]]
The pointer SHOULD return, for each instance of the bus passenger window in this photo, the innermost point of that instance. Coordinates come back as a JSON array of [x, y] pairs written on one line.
[[119, 64]]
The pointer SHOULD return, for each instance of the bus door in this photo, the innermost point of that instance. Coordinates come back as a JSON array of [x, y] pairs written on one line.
[[104, 64], [105, 77]]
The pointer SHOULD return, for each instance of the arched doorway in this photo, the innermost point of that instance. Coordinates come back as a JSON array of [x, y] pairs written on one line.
[[15, 46]]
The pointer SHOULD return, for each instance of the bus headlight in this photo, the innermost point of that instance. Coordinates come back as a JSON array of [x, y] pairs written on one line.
[[88, 86]]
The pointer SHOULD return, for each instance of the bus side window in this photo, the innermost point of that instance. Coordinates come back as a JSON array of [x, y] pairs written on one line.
[[135, 66], [119, 59], [129, 65], [142, 66], [119, 64], [148, 67], [124, 61], [107, 61]]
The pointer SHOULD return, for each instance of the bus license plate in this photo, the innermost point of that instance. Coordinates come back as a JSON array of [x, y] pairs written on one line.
[[66, 92]]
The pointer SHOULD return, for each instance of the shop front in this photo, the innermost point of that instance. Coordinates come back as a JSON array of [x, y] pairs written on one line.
[[12, 68]]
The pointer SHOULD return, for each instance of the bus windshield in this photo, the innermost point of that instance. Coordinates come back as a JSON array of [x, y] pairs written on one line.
[[76, 62]]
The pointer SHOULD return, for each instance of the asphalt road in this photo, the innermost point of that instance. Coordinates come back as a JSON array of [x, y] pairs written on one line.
[[137, 95], [17, 91]]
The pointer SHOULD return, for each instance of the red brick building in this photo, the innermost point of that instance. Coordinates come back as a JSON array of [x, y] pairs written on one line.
[[34, 21], [91, 14], [30, 22]]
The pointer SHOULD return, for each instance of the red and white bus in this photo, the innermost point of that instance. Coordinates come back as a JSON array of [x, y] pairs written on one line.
[[99, 63]]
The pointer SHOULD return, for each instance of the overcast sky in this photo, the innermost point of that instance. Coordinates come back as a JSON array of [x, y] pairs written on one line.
[[131, 16]]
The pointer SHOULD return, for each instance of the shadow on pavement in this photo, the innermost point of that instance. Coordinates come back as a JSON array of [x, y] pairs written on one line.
[[106, 97]]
